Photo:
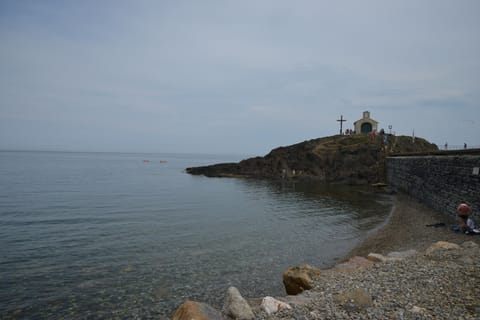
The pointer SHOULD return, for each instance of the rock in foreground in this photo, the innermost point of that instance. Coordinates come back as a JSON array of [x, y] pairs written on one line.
[[299, 279], [191, 310], [236, 307], [438, 283]]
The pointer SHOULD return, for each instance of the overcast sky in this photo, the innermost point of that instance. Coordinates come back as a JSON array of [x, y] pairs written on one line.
[[237, 77]]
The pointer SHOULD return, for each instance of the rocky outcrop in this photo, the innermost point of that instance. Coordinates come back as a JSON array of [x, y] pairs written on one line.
[[300, 278], [353, 159]]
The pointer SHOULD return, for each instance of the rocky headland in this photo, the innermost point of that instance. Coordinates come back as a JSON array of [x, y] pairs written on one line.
[[346, 159], [414, 267]]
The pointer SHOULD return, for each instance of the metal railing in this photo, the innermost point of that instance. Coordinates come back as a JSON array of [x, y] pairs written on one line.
[[457, 147], [461, 151]]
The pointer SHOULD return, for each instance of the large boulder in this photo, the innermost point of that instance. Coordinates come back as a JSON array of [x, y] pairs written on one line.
[[300, 278], [191, 310], [236, 307]]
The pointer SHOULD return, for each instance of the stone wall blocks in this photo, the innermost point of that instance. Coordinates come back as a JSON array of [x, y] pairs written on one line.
[[439, 181]]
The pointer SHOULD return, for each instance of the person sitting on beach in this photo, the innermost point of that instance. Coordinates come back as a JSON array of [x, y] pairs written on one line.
[[466, 223]]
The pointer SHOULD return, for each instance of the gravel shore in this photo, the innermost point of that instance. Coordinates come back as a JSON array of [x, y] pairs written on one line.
[[406, 228], [438, 282]]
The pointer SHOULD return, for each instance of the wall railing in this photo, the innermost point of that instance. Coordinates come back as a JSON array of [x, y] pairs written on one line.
[[468, 151]]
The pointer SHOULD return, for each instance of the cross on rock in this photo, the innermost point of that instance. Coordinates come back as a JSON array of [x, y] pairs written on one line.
[[341, 120]]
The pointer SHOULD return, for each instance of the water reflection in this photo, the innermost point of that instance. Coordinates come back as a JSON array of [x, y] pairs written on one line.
[[279, 225], [345, 204], [111, 237]]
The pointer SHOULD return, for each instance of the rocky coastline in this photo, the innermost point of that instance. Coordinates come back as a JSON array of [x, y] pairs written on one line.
[[413, 267], [340, 159]]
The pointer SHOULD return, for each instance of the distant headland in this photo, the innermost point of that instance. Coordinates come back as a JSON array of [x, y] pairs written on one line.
[[355, 159]]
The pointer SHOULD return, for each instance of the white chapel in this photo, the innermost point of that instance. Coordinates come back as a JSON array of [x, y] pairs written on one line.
[[366, 124]]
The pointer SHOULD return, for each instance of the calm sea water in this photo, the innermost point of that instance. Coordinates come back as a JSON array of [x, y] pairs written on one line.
[[107, 235]]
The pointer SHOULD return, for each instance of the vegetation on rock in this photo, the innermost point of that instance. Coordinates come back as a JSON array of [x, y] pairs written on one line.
[[346, 159]]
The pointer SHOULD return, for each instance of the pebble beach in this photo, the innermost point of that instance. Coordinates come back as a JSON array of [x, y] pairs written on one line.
[[412, 267], [441, 280]]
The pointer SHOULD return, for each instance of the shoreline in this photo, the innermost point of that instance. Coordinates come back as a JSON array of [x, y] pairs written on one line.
[[439, 281], [422, 285], [405, 228]]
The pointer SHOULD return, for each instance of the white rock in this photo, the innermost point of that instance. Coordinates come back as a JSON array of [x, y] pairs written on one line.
[[236, 307], [376, 257], [271, 305]]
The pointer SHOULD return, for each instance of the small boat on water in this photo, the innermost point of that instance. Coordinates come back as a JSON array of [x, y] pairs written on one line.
[[163, 161], [146, 161]]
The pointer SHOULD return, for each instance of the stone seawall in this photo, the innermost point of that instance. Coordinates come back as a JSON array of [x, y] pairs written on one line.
[[439, 181]]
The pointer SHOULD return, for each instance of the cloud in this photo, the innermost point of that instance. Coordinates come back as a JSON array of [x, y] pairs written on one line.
[[262, 73]]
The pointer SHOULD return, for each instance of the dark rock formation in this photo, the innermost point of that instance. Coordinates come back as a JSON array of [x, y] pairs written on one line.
[[356, 159]]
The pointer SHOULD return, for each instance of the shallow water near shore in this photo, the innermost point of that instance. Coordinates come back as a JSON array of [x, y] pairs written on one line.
[[109, 235]]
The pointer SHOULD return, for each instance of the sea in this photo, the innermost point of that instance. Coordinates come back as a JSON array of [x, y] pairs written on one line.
[[132, 236]]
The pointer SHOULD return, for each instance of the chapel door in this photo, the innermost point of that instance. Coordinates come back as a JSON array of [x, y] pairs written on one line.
[[366, 127]]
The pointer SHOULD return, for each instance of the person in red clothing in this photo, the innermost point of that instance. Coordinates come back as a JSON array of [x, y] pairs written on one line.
[[465, 222]]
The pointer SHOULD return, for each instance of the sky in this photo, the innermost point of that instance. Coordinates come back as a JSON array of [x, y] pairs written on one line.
[[234, 77]]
